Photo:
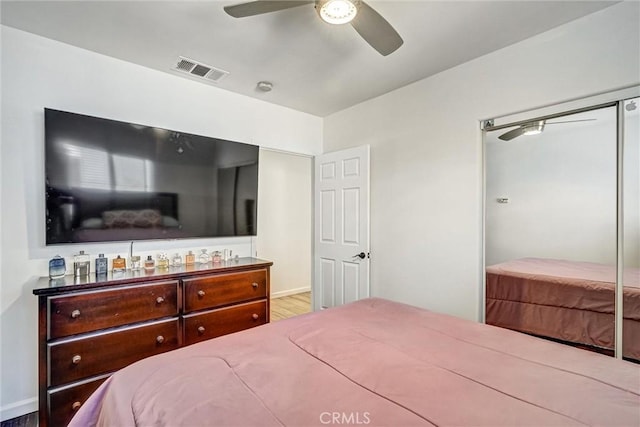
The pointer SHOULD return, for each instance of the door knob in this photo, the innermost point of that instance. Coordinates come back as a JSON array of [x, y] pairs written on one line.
[[361, 255]]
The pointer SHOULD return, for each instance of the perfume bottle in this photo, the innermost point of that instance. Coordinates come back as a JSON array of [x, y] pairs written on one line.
[[204, 257], [190, 258], [149, 264], [176, 261], [163, 261], [81, 264], [57, 267], [102, 265], [119, 264], [216, 257], [135, 262]]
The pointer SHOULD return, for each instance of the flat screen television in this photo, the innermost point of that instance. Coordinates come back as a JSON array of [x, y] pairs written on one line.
[[114, 181]]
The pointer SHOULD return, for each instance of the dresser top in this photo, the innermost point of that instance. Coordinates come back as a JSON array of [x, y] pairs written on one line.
[[46, 286]]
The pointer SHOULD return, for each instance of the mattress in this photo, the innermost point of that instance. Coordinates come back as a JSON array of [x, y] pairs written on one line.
[[372, 362], [566, 300]]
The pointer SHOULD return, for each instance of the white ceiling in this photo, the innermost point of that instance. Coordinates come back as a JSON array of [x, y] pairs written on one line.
[[314, 67]]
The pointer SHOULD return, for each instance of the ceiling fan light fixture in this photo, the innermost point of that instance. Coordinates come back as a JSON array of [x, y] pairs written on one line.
[[534, 128], [337, 11]]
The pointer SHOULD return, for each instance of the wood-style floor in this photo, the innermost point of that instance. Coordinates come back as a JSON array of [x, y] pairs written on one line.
[[289, 306]]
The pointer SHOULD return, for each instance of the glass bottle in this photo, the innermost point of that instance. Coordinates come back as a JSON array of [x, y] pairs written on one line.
[[176, 261], [81, 264], [217, 257], [102, 265], [135, 262], [57, 267], [149, 263], [162, 261], [119, 264], [204, 257], [190, 258]]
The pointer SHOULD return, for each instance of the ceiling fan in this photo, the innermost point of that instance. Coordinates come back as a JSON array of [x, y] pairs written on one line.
[[533, 128], [373, 28]]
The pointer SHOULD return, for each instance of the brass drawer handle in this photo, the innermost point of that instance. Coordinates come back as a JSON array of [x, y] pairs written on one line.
[[76, 359], [76, 405], [254, 284], [159, 339], [200, 293], [159, 300], [255, 316], [75, 314], [201, 330]]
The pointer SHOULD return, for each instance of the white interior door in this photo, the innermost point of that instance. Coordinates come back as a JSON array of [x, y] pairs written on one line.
[[341, 259]]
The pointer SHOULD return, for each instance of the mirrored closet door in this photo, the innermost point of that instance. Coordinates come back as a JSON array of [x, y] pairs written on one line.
[[630, 314], [552, 231]]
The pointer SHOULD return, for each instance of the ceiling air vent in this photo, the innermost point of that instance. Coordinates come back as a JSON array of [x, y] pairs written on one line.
[[199, 69]]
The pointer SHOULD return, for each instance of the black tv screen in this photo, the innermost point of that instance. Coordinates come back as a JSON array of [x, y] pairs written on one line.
[[113, 181]]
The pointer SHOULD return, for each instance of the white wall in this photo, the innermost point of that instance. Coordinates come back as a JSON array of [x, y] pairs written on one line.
[[561, 186], [285, 220], [426, 150], [38, 73]]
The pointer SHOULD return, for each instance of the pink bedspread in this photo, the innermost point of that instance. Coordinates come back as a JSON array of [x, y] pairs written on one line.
[[572, 284], [568, 300], [372, 362]]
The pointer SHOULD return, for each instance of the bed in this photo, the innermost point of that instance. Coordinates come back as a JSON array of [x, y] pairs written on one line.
[[371, 362], [565, 300], [81, 215]]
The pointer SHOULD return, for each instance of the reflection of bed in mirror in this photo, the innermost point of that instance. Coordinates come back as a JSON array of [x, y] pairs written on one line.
[[565, 300], [95, 216]]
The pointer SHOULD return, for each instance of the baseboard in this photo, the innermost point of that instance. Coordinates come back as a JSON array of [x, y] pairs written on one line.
[[290, 292], [18, 409]]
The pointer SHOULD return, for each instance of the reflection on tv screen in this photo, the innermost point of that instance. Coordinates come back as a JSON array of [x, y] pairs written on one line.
[[114, 181]]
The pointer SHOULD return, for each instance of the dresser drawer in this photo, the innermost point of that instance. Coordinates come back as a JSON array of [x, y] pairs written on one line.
[[64, 403], [211, 324], [220, 290], [82, 357], [90, 311]]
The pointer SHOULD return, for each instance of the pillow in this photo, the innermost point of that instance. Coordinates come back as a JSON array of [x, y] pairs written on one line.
[[170, 222], [91, 223], [144, 218]]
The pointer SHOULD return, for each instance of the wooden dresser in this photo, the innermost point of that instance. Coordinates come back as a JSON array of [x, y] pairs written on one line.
[[90, 328]]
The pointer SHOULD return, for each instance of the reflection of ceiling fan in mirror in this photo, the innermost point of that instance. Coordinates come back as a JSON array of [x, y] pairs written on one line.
[[373, 28], [533, 128]]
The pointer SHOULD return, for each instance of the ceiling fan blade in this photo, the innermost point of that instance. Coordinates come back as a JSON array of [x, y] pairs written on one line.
[[571, 121], [376, 31], [262, 6], [514, 133]]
